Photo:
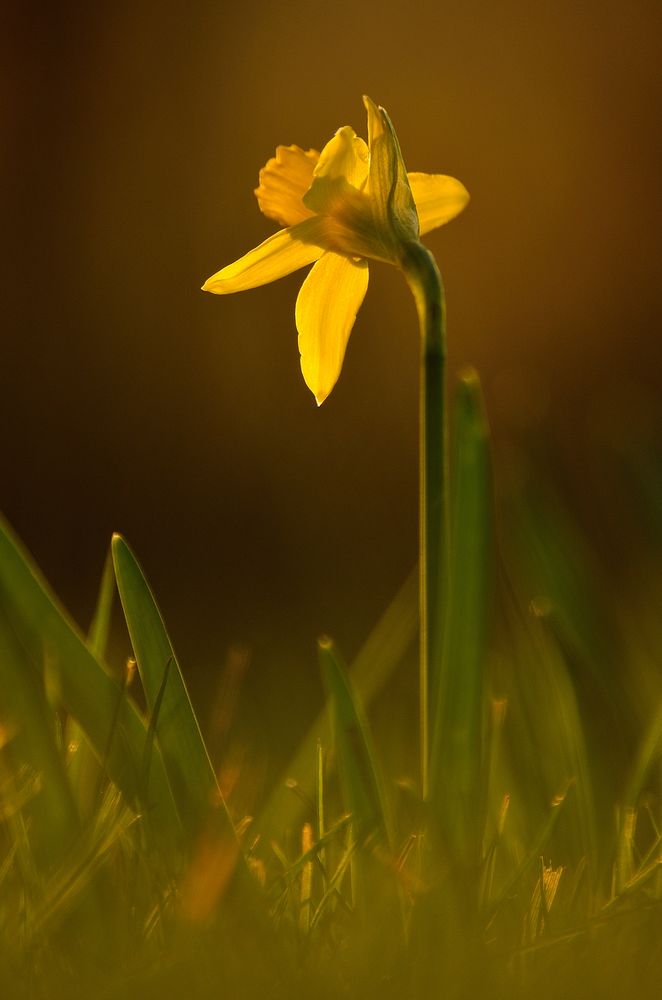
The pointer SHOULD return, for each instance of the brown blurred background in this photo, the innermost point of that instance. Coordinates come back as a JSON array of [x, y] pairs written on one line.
[[132, 402]]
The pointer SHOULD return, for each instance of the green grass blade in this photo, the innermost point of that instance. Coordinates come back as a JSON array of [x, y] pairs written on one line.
[[53, 812], [568, 726], [291, 871], [648, 754], [98, 635], [375, 892], [71, 882], [189, 769], [321, 822], [333, 892], [650, 750], [552, 560], [456, 784], [384, 649], [87, 691], [84, 768], [363, 793], [546, 741], [533, 854]]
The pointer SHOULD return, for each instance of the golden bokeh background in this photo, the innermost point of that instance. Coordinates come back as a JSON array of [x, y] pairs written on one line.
[[132, 402]]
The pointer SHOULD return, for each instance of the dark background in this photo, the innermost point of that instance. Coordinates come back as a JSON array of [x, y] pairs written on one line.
[[132, 402]]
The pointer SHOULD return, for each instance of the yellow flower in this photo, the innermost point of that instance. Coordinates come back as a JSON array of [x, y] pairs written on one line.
[[350, 204]]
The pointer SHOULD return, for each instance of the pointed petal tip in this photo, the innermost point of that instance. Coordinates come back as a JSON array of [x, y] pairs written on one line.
[[319, 394], [374, 113]]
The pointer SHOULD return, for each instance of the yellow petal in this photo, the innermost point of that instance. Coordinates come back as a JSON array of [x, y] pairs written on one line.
[[341, 170], [284, 252], [327, 305], [283, 182], [438, 199]]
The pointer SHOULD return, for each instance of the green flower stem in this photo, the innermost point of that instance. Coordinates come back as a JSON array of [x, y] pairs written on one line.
[[423, 277]]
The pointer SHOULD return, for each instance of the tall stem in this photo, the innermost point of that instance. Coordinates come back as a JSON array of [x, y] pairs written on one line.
[[425, 282]]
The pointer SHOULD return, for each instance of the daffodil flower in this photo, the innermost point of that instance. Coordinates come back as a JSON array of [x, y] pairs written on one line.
[[341, 208]]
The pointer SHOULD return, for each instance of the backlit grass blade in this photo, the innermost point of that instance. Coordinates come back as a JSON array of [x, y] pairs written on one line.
[[382, 652], [83, 767], [86, 690], [569, 729], [362, 790], [97, 637], [27, 713], [70, 883], [546, 745], [190, 772], [333, 892], [553, 561], [538, 848], [376, 895], [649, 752], [459, 686], [321, 824]]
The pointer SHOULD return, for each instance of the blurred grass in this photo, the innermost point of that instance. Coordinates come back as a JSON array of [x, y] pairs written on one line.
[[534, 869]]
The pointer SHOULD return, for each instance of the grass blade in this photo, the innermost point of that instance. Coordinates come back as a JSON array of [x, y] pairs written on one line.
[[84, 769], [190, 772], [98, 635], [649, 751], [53, 810], [551, 560], [546, 742], [376, 894], [533, 854], [87, 691], [381, 653], [459, 689], [363, 794]]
